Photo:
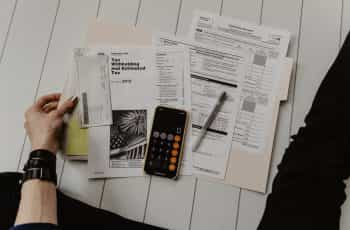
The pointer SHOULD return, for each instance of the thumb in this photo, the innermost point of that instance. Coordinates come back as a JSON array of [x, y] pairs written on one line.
[[67, 106]]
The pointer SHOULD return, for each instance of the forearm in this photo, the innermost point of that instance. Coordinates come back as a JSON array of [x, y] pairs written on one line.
[[38, 203], [43, 124]]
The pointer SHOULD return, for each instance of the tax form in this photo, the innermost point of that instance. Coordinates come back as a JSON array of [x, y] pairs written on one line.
[[94, 89], [266, 47], [212, 72]]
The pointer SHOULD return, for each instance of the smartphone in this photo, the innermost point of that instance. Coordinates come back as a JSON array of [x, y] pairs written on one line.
[[166, 142]]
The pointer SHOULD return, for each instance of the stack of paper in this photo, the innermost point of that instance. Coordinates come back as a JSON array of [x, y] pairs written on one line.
[[140, 71], [265, 85]]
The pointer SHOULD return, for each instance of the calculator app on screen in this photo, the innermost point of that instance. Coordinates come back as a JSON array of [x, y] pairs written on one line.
[[166, 141]]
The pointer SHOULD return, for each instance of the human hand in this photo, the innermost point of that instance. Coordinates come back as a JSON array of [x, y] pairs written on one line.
[[44, 121]]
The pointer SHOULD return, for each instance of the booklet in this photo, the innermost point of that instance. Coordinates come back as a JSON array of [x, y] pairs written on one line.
[[140, 79]]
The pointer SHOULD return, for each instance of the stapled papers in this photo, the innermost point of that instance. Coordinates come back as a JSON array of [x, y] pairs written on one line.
[[264, 87]]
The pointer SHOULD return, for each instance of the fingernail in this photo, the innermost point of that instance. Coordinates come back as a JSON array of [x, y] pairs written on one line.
[[74, 99]]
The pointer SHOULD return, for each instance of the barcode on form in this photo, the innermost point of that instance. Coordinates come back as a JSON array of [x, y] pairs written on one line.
[[85, 108]]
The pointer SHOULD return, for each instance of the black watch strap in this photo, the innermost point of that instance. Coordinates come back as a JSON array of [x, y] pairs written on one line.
[[44, 174], [40, 165], [43, 154]]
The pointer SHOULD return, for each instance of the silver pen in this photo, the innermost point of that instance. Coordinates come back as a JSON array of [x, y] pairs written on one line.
[[209, 120]]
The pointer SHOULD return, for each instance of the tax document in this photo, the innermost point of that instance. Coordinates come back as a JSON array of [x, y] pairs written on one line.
[[212, 72], [140, 79], [94, 89], [265, 47]]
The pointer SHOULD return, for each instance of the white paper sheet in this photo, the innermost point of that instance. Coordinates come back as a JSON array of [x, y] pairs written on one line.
[[174, 89], [212, 71], [140, 79], [266, 48]]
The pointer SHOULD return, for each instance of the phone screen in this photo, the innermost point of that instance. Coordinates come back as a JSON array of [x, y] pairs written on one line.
[[166, 141]]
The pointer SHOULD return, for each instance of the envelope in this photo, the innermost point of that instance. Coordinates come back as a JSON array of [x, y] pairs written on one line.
[[109, 34]]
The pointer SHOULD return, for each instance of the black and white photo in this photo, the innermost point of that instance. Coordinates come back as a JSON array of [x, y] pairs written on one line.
[[128, 135]]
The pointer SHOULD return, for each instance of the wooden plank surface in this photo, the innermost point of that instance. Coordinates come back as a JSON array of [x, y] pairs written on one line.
[[6, 11], [248, 10], [285, 15], [170, 202], [119, 11], [215, 206], [125, 196], [159, 15], [20, 71], [345, 19]]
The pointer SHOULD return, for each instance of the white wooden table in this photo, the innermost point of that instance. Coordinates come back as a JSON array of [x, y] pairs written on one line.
[[36, 37]]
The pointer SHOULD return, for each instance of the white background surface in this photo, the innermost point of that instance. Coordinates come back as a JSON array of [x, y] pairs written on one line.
[[35, 40]]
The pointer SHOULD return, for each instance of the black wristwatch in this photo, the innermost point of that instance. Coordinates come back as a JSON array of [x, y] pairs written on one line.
[[40, 165]]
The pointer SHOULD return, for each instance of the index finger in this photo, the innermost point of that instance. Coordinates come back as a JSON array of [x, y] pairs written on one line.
[[46, 99]]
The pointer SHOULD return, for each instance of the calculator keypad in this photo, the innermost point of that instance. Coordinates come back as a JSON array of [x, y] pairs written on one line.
[[164, 151]]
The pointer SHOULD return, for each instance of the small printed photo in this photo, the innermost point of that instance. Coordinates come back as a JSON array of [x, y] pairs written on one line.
[[128, 135]]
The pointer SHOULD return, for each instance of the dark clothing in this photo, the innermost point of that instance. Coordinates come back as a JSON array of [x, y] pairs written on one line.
[[308, 190], [35, 227], [72, 214]]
